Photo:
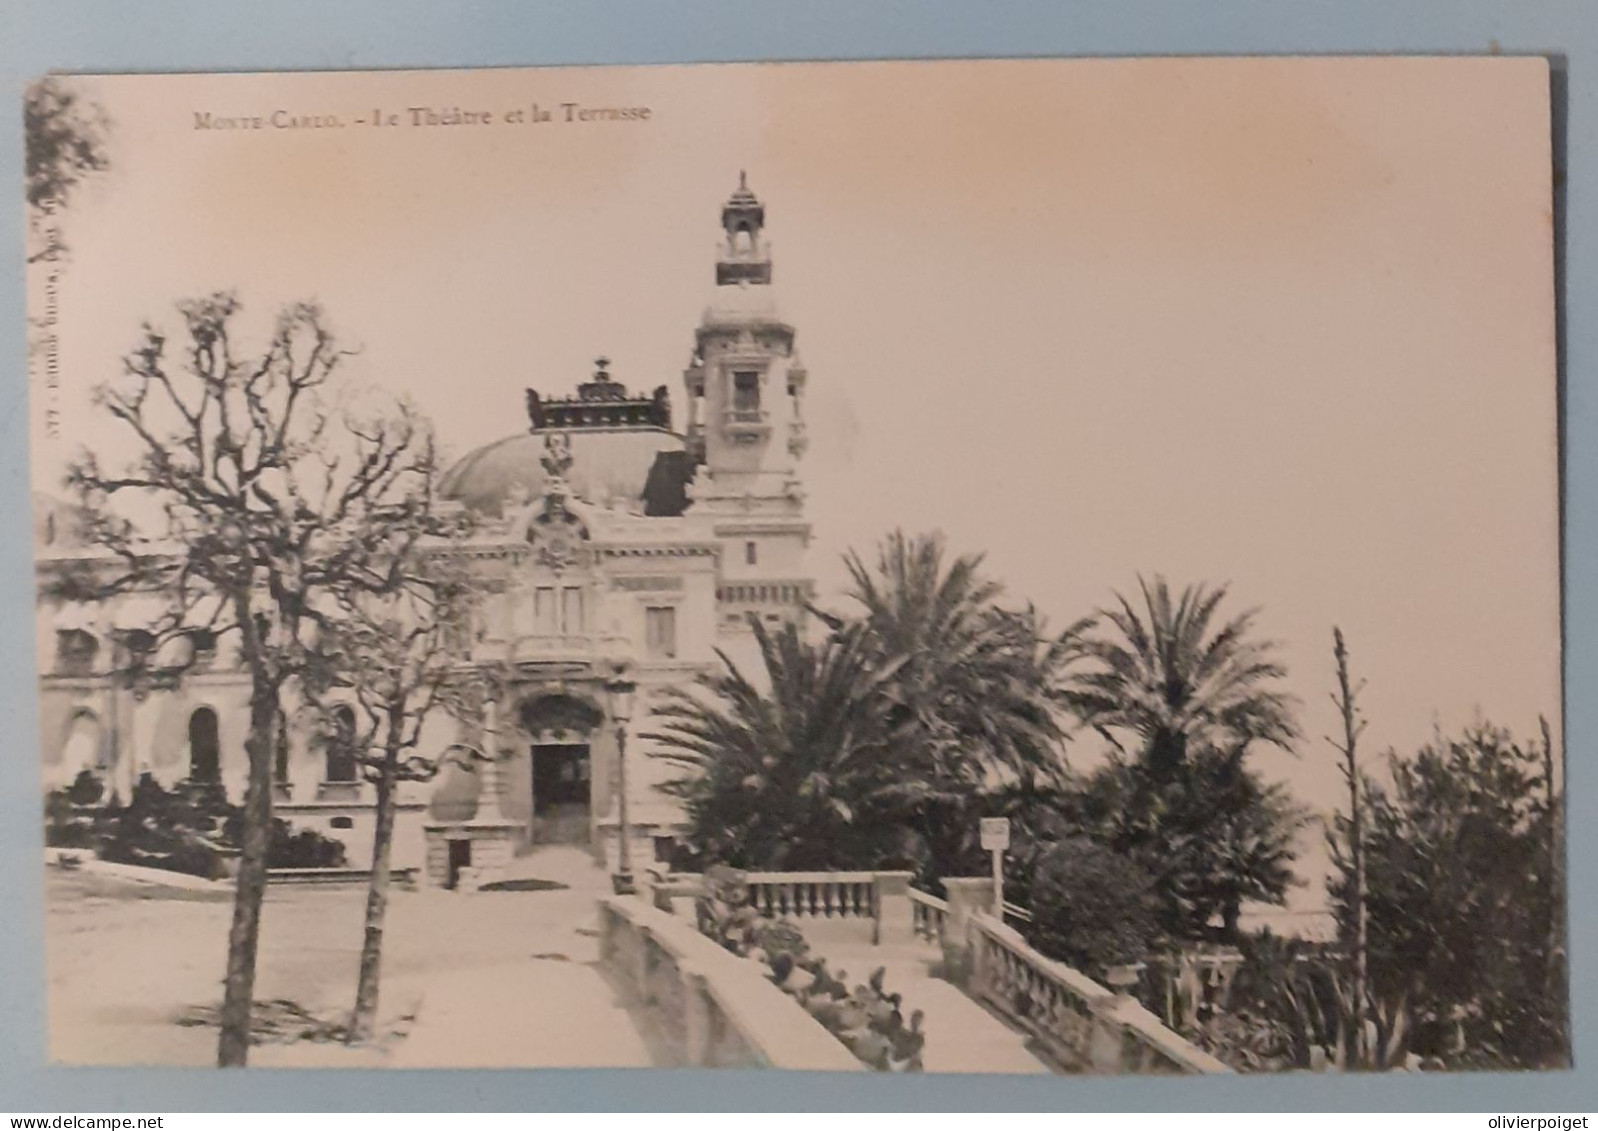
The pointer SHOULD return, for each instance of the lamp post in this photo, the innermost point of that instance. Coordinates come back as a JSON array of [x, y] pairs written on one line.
[[621, 688]]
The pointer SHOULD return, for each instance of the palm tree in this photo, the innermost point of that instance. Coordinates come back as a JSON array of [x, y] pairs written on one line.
[[788, 778], [1172, 681], [973, 696]]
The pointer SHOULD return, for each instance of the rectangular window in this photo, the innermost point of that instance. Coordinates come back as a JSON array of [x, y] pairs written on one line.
[[751, 553], [544, 613], [660, 632], [571, 611], [75, 651], [746, 392]]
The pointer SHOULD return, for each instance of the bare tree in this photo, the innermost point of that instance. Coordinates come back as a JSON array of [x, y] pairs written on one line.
[[66, 142], [1345, 698], [255, 489], [398, 654]]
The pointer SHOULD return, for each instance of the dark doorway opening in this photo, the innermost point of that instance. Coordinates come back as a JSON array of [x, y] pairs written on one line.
[[460, 858], [562, 788], [205, 763]]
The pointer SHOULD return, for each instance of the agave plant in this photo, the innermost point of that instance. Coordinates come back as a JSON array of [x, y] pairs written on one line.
[[1325, 1028]]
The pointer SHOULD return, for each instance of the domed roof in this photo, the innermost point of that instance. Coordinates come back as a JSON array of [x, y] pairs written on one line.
[[606, 464]]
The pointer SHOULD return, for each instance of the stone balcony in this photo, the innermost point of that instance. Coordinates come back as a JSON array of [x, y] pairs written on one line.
[[346, 791], [747, 423]]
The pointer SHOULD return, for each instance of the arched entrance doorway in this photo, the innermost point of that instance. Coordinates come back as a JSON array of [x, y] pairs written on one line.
[[560, 727]]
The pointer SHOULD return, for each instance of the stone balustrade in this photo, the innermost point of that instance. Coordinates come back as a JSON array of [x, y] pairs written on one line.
[[817, 895], [710, 1007], [1086, 1026], [929, 916], [882, 898]]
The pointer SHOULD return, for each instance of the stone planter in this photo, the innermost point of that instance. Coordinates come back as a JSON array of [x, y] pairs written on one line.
[[1124, 979]]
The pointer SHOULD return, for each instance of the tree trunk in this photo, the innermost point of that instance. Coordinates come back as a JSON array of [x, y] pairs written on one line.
[[364, 1020], [1361, 945], [1231, 914], [238, 996], [1555, 989], [1348, 708]]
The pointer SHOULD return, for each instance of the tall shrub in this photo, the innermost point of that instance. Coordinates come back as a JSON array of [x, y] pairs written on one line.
[[1092, 908]]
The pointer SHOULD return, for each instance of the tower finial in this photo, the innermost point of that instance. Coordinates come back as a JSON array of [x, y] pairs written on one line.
[[745, 257]]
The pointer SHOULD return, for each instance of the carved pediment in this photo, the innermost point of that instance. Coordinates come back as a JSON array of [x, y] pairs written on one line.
[[559, 540]]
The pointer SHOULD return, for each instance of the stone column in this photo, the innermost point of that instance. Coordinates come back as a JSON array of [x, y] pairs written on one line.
[[489, 790], [895, 917], [967, 896]]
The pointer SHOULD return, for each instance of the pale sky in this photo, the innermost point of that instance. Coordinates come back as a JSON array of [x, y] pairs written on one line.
[[1286, 324]]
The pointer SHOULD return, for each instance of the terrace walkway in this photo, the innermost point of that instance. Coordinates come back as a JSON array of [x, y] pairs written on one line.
[[548, 1007], [962, 1036]]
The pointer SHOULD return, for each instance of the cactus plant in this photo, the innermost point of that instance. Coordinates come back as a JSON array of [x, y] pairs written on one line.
[[868, 1019]]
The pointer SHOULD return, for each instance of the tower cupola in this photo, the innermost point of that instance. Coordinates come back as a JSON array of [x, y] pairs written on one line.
[[745, 257]]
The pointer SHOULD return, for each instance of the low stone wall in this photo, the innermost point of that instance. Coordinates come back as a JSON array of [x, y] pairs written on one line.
[[346, 876], [492, 847], [712, 1008], [84, 860], [1084, 1025]]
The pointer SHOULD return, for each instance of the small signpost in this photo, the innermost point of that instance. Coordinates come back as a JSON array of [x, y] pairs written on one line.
[[995, 833]]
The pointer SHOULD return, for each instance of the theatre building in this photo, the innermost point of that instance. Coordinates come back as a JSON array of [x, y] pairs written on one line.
[[614, 535]]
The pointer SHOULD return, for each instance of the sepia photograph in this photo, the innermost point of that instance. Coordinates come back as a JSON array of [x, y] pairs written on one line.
[[1035, 566]]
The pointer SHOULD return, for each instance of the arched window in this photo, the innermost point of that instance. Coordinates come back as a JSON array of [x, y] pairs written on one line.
[[84, 747], [205, 762], [341, 747]]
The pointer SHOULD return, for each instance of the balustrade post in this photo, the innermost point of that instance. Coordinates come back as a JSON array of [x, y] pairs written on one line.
[[892, 911], [643, 963], [1106, 1040], [968, 895], [696, 1018], [607, 933]]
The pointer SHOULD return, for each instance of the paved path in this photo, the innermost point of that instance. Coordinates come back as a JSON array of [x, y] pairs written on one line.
[[542, 1014], [962, 1036], [551, 1007]]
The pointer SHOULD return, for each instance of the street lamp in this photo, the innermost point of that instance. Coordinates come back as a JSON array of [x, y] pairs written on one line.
[[621, 688]]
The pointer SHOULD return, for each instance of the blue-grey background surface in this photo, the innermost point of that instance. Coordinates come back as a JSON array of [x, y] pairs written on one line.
[[199, 35]]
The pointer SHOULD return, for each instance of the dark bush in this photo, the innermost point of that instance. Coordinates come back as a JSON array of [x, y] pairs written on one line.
[[190, 828], [86, 789], [1091, 907], [304, 849], [69, 813], [178, 830]]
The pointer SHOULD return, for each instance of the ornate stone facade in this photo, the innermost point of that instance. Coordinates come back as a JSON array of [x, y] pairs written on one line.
[[602, 535]]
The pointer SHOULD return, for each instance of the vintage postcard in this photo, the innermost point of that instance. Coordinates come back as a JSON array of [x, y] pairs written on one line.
[[975, 566]]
